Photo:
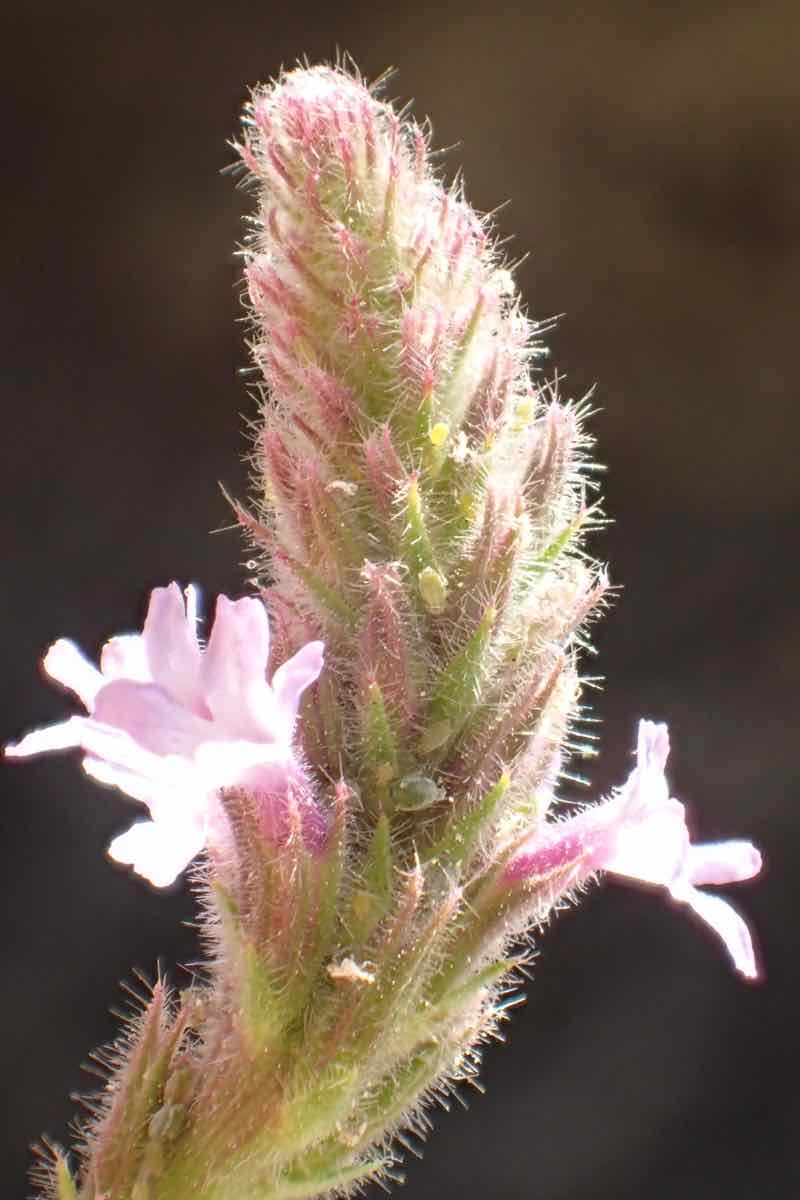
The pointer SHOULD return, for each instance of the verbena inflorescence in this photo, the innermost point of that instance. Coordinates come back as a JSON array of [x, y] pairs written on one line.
[[373, 860]]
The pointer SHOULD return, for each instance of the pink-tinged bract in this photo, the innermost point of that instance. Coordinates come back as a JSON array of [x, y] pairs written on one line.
[[171, 723]]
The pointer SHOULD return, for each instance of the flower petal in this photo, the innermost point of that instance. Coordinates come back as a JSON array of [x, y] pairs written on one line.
[[646, 786], [726, 922], [70, 667], [243, 764], [158, 850], [138, 787], [112, 757], [291, 680], [151, 718], [234, 670], [649, 844], [125, 657], [115, 747], [722, 862], [66, 735], [652, 746], [173, 652]]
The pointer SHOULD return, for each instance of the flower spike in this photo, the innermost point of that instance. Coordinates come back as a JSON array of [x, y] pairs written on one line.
[[379, 836]]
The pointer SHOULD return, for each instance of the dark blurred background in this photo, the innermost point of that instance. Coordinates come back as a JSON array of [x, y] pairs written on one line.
[[650, 153]]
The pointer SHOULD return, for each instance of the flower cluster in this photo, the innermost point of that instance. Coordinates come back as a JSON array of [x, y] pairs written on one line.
[[173, 727]]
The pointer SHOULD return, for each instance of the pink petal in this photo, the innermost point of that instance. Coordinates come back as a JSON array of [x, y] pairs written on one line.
[[723, 918], [158, 850], [257, 765], [66, 735], [171, 783], [138, 787], [112, 757], [173, 792], [646, 786], [151, 718], [722, 862], [125, 657], [291, 680], [234, 670], [652, 746], [649, 844], [117, 748], [173, 652], [65, 663]]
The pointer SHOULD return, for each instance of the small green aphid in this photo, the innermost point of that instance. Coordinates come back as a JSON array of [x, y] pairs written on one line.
[[415, 791]]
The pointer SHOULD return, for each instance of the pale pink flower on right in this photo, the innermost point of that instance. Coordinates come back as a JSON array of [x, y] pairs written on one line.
[[640, 834]]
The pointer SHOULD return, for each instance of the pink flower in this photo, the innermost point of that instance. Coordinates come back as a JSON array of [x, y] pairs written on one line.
[[641, 834], [172, 723]]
